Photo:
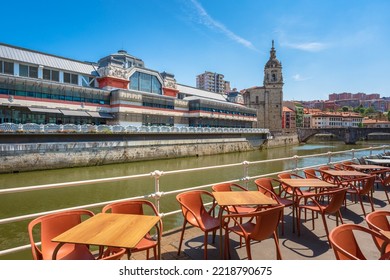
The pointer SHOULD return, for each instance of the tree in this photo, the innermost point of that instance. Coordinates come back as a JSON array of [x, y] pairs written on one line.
[[345, 109]]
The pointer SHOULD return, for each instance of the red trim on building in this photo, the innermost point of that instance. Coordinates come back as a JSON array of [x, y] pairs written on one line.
[[170, 92], [113, 82]]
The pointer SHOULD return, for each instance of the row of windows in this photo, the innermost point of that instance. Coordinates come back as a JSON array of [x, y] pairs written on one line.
[[47, 74], [205, 122], [198, 107], [22, 115], [76, 96]]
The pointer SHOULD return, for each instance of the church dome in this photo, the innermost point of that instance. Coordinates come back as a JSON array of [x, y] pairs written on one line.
[[273, 62]]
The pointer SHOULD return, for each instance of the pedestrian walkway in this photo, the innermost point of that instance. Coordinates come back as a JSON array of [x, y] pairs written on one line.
[[312, 244]]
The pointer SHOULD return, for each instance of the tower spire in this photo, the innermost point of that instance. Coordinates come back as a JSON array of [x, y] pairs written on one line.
[[273, 52]]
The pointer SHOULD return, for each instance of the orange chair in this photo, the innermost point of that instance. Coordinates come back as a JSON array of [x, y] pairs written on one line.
[[52, 225], [338, 166], [138, 207], [379, 220], [227, 187], [344, 242], [362, 187], [326, 177], [311, 173], [265, 186], [195, 213], [316, 203], [385, 181], [266, 223], [286, 190]]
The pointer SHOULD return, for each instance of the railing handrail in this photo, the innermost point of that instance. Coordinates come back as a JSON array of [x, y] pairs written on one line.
[[158, 194]]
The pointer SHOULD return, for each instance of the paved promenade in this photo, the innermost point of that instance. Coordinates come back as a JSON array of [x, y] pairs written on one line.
[[310, 245]]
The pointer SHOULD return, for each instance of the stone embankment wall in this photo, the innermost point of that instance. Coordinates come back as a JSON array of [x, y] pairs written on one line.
[[40, 156], [282, 140]]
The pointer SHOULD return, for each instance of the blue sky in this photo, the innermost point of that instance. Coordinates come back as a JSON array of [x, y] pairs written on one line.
[[325, 46]]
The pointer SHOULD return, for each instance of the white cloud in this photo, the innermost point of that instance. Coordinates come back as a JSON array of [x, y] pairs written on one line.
[[205, 19], [309, 47], [299, 78]]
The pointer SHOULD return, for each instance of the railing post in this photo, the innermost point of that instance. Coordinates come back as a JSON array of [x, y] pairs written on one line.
[[296, 157], [329, 157], [371, 151], [246, 172], [157, 194]]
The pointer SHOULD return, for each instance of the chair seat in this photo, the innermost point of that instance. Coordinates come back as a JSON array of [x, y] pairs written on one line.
[[241, 209], [211, 223], [145, 243], [284, 201], [248, 227]]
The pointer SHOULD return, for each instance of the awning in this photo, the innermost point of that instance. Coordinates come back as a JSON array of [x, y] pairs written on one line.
[[75, 113], [45, 110], [101, 115]]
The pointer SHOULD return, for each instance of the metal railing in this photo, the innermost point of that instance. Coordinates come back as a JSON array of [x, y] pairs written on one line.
[[88, 128], [158, 192]]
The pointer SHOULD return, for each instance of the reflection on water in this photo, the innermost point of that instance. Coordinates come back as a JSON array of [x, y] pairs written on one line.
[[308, 147], [15, 234]]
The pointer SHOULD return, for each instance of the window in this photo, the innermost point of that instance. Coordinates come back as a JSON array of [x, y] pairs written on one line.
[[71, 78], [28, 71], [7, 67], [51, 75], [145, 82]]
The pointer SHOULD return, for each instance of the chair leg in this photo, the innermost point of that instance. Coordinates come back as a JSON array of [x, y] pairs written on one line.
[[248, 248], [387, 195], [181, 236], [326, 227], [361, 203], [282, 221], [205, 245], [227, 245], [278, 253]]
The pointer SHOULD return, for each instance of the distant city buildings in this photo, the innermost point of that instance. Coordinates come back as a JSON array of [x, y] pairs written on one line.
[[212, 82]]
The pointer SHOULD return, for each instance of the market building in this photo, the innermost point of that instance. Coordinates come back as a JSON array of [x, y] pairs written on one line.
[[42, 88]]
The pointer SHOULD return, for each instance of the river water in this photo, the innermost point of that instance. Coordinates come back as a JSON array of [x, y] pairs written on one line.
[[15, 234]]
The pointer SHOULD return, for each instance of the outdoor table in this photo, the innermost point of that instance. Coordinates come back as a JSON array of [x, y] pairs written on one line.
[[297, 183], [239, 198], [379, 161], [110, 229], [369, 167], [339, 175]]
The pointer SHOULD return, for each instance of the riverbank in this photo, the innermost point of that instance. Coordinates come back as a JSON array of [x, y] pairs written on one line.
[[32, 152]]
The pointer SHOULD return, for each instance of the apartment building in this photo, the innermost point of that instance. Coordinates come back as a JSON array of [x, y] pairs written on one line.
[[212, 82]]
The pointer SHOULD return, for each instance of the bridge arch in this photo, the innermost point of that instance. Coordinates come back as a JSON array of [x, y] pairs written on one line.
[[349, 135]]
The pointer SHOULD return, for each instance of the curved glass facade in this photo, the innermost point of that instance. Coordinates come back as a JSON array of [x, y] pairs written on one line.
[[145, 82]]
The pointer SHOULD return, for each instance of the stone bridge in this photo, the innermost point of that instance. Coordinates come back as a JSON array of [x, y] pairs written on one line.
[[349, 135]]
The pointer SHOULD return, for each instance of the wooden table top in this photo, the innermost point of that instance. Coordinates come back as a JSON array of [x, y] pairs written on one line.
[[313, 183], [108, 229], [378, 160], [235, 198], [368, 167], [341, 173]]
